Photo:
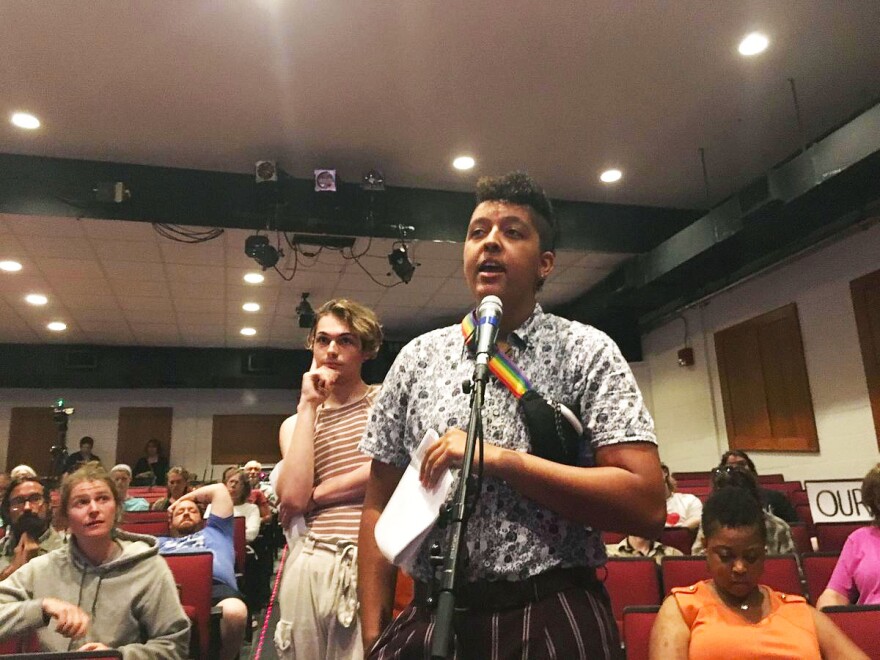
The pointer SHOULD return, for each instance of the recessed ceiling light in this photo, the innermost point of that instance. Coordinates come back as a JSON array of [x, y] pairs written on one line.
[[251, 307], [10, 266], [463, 163], [254, 278], [25, 120], [610, 176], [753, 43], [36, 299], [57, 326], [248, 332]]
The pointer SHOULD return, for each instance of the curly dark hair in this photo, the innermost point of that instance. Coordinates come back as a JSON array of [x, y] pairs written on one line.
[[734, 476], [732, 507], [739, 453], [519, 188]]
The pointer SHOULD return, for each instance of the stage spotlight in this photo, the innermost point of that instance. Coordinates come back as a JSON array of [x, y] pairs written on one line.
[[305, 312], [258, 248], [400, 262], [373, 181]]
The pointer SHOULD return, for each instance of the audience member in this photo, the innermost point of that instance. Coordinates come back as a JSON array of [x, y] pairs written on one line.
[[682, 509], [22, 471], [121, 475], [262, 493], [106, 589], [30, 534], [778, 533], [190, 534], [178, 484], [731, 615], [856, 578], [4, 484], [239, 489], [637, 546], [152, 469], [772, 500], [323, 477], [259, 479], [84, 455]]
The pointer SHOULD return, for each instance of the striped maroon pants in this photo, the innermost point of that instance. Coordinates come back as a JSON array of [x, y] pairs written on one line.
[[574, 624]]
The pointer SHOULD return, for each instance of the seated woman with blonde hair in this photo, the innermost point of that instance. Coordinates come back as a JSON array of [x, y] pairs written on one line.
[[731, 615], [105, 589]]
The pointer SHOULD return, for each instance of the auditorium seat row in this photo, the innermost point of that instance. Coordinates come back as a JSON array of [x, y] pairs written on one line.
[[637, 581], [859, 622]]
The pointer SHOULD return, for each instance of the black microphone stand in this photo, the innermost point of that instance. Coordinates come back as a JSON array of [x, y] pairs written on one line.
[[456, 515]]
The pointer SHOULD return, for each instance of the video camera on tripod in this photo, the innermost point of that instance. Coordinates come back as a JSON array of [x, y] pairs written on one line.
[[61, 413]]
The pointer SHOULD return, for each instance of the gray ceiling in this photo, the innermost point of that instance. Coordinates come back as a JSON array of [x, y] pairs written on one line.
[[560, 89]]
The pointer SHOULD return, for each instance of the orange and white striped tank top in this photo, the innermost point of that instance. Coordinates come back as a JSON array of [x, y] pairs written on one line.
[[337, 434]]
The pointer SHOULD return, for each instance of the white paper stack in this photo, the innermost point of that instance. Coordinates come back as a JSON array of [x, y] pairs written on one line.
[[412, 510]]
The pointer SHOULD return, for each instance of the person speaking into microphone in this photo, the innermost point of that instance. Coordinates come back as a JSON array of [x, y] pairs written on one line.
[[528, 586]]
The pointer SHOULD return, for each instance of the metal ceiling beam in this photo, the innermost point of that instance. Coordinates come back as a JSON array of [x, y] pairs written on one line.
[[35, 185], [832, 185]]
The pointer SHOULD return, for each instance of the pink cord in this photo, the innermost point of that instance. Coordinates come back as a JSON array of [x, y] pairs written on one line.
[[265, 627]]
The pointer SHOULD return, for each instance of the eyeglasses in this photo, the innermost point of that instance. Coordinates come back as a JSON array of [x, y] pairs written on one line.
[[19, 502]]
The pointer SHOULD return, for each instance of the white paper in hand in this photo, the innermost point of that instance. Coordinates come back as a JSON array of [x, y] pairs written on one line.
[[412, 510]]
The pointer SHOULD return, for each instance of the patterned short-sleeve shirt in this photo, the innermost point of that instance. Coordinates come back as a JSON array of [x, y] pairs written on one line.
[[510, 536]]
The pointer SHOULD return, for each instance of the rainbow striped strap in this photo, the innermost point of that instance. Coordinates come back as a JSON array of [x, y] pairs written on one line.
[[499, 364]]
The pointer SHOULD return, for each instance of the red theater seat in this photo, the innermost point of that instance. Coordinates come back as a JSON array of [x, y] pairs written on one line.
[[801, 537], [193, 574], [781, 573], [818, 567], [682, 572], [680, 538], [637, 624], [832, 536], [155, 528], [631, 581], [861, 624]]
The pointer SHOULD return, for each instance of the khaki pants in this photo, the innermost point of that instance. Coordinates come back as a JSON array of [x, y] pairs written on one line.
[[317, 602]]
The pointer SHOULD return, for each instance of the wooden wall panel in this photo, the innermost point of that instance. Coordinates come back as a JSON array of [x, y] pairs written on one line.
[[136, 426], [31, 435], [765, 389], [866, 305], [240, 438]]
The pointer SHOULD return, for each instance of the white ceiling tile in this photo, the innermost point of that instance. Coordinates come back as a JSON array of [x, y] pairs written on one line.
[[11, 247], [48, 226], [209, 253], [103, 326], [130, 270], [19, 284], [196, 319], [90, 302], [147, 304], [139, 251], [78, 269], [185, 291], [121, 230], [126, 288], [77, 286], [196, 274], [58, 246], [138, 317]]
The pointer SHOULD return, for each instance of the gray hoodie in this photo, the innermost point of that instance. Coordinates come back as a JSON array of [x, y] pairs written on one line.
[[132, 600]]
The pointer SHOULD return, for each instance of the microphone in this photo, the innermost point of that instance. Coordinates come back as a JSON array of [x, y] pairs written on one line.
[[488, 320]]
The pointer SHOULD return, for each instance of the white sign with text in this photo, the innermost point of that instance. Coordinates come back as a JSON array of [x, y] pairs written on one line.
[[837, 501]]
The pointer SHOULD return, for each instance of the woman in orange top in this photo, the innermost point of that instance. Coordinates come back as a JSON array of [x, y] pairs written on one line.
[[731, 615]]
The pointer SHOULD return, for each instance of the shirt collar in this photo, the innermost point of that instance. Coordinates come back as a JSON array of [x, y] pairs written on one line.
[[520, 338]]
